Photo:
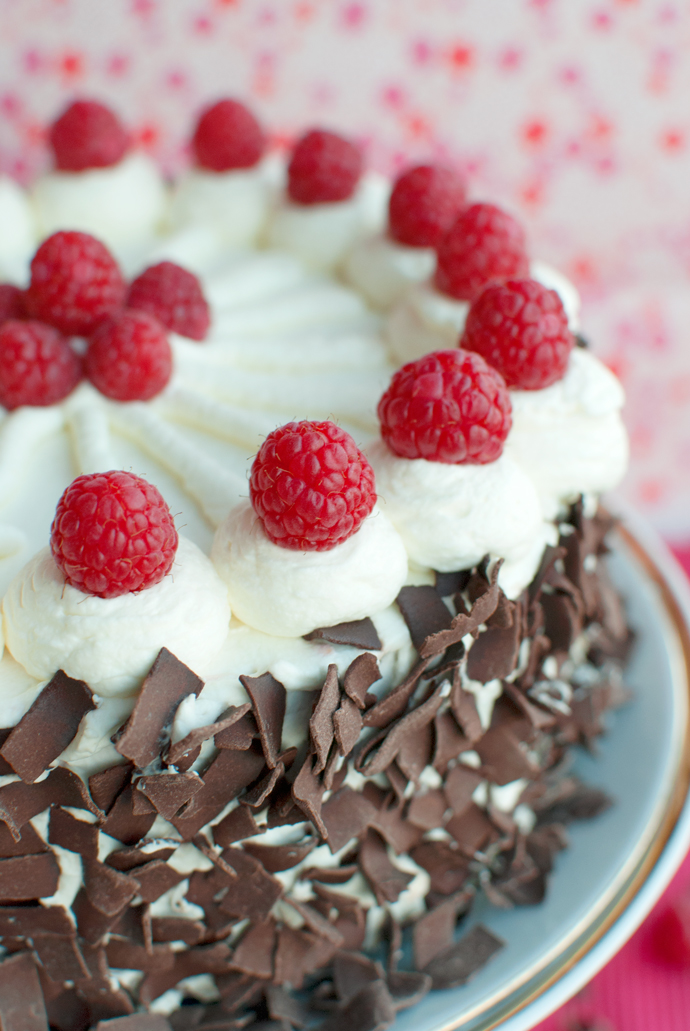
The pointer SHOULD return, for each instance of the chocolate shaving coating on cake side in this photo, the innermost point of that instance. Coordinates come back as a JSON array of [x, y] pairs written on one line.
[[256, 941]]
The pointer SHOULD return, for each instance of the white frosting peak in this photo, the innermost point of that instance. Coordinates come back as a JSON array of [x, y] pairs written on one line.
[[289, 593], [111, 643]]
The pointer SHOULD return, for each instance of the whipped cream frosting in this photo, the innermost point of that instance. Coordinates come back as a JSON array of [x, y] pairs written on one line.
[[122, 205], [569, 438], [450, 516], [427, 320], [236, 203], [289, 593], [111, 643], [18, 236], [321, 234], [383, 270]]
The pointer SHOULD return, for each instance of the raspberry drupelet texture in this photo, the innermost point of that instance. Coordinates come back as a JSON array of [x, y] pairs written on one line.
[[113, 534], [11, 302], [449, 406], [129, 357], [521, 328], [423, 204], [482, 245], [75, 282], [311, 486], [324, 168], [227, 136], [37, 365], [87, 135], [174, 296]]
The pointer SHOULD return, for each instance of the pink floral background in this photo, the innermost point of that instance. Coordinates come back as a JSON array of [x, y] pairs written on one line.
[[572, 113]]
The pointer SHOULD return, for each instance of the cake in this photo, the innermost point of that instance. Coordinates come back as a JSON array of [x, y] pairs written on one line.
[[298, 722]]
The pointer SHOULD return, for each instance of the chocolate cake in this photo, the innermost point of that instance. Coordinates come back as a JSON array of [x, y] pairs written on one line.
[[264, 788]]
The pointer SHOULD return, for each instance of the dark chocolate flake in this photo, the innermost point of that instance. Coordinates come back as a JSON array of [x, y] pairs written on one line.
[[154, 879], [275, 858], [358, 633], [346, 815], [371, 1009], [347, 722], [23, 878], [268, 698], [21, 1000], [321, 726], [353, 971], [494, 654], [394, 704], [359, 677], [60, 957], [169, 791], [48, 727], [457, 964], [307, 792], [254, 954], [73, 834], [375, 759], [238, 824], [167, 683], [407, 988], [386, 880], [424, 612], [227, 775], [253, 891], [198, 735]]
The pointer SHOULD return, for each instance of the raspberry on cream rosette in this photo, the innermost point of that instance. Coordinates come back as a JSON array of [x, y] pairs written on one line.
[[100, 183], [115, 586], [567, 434], [311, 548], [328, 203], [424, 201], [441, 473], [232, 183], [483, 245]]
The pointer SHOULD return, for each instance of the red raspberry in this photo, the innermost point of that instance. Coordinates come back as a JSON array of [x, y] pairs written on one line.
[[483, 244], [424, 203], [37, 365], [129, 357], [75, 282], [174, 296], [227, 136], [449, 406], [87, 135], [113, 534], [311, 486], [323, 168], [11, 302], [521, 329]]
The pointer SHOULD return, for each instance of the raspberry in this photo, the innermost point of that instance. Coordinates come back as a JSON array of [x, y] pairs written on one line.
[[424, 203], [482, 245], [311, 486], [129, 357], [174, 296], [323, 168], [113, 534], [11, 302], [87, 135], [37, 365], [521, 329], [75, 282], [227, 136], [449, 406]]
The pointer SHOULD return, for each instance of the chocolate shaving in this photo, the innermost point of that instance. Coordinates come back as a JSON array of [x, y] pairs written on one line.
[[171, 929], [227, 775], [125, 859], [28, 842], [351, 972], [28, 921], [259, 791], [293, 956], [135, 1022], [167, 683], [424, 613], [371, 1009], [107, 785], [283, 1006], [321, 725], [73, 834], [21, 999], [23, 878], [275, 858], [198, 735], [550, 556], [416, 751], [386, 880], [48, 727], [464, 708], [459, 786], [395, 703], [60, 957], [373, 760], [433, 932], [155, 878], [19, 802], [337, 875], [238, 824], [447, 867], [254, 954], [307, 792], [358, 633], [502, 757], [457, 964], [400, 833], [448, 584], [494, 654], [169, 791], [345, 815], [253, 892], [239, 735], [407, 988], [123, 823], [347, 723], [359, 676], [450, 741], [268, 698], [108, 890], [471, 829], [428, 810], [462, 624]]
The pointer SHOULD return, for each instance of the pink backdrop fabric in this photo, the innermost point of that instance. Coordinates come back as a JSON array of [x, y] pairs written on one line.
[[572, 113]]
